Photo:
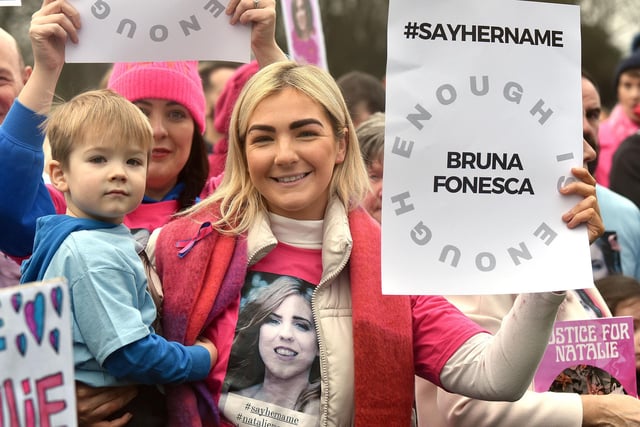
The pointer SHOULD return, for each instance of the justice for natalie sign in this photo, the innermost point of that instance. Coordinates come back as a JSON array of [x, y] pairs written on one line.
[[483, 128]]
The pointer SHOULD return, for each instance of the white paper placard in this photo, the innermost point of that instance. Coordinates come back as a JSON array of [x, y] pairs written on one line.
[[148, 30], [483, 126], [10, 3], [37, 380]]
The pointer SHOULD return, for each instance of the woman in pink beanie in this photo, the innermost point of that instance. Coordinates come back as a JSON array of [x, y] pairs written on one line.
[[224, 108], [171, 96]]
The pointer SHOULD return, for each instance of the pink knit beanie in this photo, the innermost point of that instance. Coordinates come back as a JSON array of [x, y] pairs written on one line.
[[174, 81], [224, 108], [231, 93]]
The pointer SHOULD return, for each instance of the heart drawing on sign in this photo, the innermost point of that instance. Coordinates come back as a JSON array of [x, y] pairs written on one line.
[[34, 315], [21, 343], [16, 301], [56, 299], [54, 339]]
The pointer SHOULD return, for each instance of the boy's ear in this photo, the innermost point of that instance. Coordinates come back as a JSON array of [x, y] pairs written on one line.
[[57, 175]]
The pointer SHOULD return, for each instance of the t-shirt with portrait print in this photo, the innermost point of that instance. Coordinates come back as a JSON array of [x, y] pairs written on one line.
[[273, 377]]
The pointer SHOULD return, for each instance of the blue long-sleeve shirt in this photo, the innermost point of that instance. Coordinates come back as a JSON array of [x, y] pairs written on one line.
[[24, 197], [154, 360]]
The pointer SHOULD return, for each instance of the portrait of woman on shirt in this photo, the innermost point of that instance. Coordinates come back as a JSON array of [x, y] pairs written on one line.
[[274, 357]]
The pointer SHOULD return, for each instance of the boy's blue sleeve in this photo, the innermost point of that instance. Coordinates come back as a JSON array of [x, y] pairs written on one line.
[[24, 197], [154, 360]]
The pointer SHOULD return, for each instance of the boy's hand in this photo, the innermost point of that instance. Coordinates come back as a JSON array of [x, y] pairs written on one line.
[[213, 351]]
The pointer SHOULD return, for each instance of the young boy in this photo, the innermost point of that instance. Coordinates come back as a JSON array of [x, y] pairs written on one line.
[[100, 147]]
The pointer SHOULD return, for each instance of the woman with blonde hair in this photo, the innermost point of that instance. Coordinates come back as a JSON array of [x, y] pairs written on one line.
[[289, 205]]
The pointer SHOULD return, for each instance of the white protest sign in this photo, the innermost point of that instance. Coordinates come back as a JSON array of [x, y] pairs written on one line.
[[10, 3], [148, 30], [36, 378], [305, 35], [483, 127]]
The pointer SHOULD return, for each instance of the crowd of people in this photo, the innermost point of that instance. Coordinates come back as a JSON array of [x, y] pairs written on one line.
[[251, 196]]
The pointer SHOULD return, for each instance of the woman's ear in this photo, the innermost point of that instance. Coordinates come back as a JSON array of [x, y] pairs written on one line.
[[343, 141], [57, 175]]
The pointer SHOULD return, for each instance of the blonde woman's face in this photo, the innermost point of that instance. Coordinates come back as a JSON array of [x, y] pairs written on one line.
[[291, 152]]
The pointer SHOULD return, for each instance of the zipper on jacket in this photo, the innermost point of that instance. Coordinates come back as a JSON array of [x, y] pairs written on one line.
[[324, 402]]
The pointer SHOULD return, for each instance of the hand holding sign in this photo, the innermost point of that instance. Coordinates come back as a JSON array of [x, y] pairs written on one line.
[[587, 210], [51, 27]]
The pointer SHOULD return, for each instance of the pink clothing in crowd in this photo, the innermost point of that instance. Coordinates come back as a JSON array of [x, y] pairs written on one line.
[[9, 272], [305, 51], [613, 131]]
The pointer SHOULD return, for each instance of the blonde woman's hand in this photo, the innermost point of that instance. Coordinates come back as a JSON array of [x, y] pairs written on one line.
[[586, 211], [261, 14]]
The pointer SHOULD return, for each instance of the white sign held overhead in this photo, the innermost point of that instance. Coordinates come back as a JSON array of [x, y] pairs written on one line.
[[126, 31], [483, 127]]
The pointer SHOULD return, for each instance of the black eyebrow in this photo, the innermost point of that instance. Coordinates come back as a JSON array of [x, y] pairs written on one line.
[[294, 125], [261, 127], [304, 122]]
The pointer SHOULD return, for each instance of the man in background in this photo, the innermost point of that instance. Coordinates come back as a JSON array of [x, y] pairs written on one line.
[[438, 408], [13, 75]]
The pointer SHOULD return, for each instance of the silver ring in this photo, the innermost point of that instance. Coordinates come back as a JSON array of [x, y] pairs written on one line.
[[256, 3]]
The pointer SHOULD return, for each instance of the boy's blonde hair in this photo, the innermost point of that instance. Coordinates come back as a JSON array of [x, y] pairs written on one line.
[[240, 202], [100, 114]]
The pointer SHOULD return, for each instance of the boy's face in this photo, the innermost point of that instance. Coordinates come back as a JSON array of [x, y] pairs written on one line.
[[102, 182], [629, 93]]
